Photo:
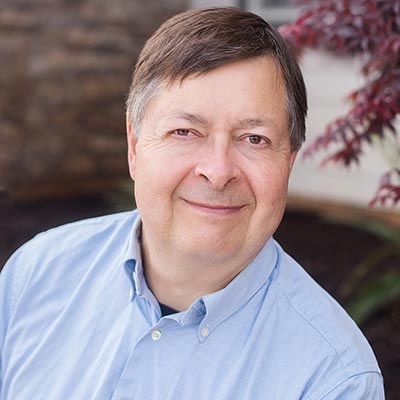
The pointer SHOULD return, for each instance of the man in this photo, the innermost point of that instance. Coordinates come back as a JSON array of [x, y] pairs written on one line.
[[189, 297]]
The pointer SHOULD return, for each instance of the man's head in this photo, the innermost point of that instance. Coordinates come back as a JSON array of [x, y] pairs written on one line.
[[215, 95], [197, 41]]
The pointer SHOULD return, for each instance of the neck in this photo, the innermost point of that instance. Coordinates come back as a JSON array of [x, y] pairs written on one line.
[[177, 280]]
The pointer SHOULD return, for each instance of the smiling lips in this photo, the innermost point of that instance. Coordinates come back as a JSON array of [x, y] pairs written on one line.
[[215, 209]]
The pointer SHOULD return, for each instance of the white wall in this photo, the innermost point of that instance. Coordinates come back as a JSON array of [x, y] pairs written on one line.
[[329, 80]]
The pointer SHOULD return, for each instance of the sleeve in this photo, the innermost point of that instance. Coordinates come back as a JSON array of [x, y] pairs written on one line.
[[10, 284], [6, 285], [365, 386], [9, 280]]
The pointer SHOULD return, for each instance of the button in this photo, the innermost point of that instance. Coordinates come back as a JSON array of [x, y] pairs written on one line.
[[204, 332], [156, 335]]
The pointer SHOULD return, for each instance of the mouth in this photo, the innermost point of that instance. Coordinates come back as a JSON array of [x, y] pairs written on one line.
[[215, 209]]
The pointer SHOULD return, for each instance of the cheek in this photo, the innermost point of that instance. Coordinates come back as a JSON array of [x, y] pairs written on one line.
[[270, 188], [158, 176], [271, 202]]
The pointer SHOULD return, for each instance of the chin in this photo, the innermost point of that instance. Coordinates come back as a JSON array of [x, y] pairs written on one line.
[[217, 249]]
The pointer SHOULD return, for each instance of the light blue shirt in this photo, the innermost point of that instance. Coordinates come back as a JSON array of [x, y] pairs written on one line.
[[79, 322]]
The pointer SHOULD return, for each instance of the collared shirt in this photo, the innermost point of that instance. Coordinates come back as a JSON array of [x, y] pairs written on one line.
[[79, 322]]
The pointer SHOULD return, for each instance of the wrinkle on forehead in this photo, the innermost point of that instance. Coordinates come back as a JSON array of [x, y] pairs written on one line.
[[278, 83], [247, 123]]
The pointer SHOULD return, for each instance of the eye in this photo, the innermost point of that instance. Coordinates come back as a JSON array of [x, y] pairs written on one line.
[[257, 139], [182, 132]]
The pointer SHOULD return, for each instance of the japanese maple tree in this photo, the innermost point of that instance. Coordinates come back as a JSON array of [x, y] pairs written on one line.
[[369, 29]]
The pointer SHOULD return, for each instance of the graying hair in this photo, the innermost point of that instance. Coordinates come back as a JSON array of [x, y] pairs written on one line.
[[138, 100], [197, 41]]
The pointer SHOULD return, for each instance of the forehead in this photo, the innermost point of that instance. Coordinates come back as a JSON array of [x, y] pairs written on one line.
[[263, 71], [251, 89]]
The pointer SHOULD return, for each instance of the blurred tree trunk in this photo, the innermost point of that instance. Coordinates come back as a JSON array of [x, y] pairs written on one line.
[[65, 69]]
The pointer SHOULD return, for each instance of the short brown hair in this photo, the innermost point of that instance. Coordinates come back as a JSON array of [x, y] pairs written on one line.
[[197, 41]]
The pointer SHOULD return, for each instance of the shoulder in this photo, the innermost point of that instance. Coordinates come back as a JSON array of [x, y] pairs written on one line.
[[91, 227], [64, 251], [322, 327], [69, 236]]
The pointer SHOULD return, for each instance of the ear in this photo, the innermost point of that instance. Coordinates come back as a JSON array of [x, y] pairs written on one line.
[[132, 141], [292, 158]]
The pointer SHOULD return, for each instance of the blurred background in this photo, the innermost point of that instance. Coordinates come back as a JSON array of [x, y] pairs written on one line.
[[65, 69]]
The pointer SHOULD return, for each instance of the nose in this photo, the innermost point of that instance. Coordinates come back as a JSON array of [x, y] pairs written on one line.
[[218, 167]]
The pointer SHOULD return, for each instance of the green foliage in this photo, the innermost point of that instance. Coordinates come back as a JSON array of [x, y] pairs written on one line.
[[373, 293]]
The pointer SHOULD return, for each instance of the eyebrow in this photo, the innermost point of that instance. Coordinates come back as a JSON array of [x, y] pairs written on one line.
[[251, 123], [192, 118], [247, 123]]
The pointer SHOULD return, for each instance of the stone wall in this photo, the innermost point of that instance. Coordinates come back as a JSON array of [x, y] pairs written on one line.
[[65, 68]]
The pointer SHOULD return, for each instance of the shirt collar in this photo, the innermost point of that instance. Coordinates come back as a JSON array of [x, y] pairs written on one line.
[[133, 258], [133, 263], [215, 307], [220, 305]]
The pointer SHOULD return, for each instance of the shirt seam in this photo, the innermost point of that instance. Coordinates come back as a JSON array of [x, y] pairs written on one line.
[[332, 390], [344, 367]]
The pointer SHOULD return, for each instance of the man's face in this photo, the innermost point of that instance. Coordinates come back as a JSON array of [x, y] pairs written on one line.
[[212, 161]]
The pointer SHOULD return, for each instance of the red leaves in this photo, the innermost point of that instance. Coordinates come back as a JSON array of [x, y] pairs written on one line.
[[371, 29], [387, 190]]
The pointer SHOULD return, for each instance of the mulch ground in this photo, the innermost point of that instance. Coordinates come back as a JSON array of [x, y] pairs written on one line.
[[327, 250]]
